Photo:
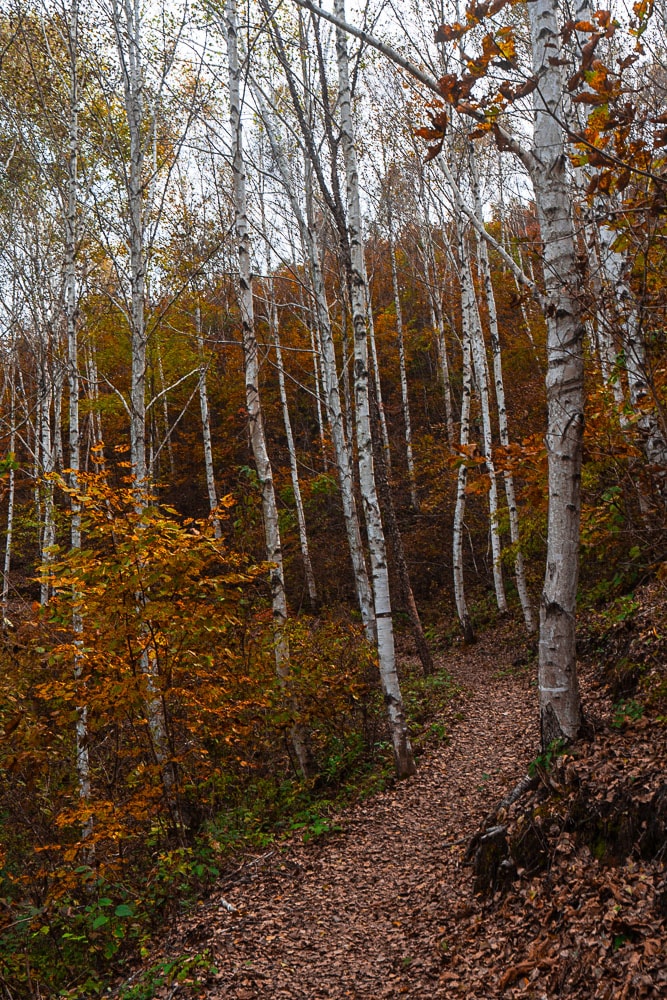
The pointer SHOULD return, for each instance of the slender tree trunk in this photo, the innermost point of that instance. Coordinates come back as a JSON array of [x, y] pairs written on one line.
[[437, 323], [461, 482], [483, 259], [375, 366], [165, 407], [396, 539], [253, 402], [206, 425], [127, 27], [560, 706], [11, 492], [469, 307], [402, 368], [294, 471], [47, 468], [57, 379], [404, 759], [329, 375], [71, 310]]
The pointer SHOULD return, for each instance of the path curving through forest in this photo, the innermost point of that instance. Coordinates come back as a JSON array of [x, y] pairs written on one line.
[[360, 914]]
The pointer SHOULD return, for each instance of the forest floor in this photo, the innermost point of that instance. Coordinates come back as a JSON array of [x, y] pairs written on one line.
[[385, 907]]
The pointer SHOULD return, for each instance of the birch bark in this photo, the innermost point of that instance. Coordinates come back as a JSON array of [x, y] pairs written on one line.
[[71, 299], [204, 408], [503, 428], [462, 479], [560, 707], [127, 25], [329, 369], [251, 364], [274, 326], [405, 399], [470, 310], [404, 759]]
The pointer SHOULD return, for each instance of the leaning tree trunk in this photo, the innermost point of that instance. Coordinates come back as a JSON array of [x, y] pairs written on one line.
[[396, 540], [329, 372], [560, 705], [403, 756], [251, 364]]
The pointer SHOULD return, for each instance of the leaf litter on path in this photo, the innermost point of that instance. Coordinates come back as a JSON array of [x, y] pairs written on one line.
[[385, 907]]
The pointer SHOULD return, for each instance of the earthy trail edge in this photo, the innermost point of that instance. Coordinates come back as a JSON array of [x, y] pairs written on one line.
[[360, 915]]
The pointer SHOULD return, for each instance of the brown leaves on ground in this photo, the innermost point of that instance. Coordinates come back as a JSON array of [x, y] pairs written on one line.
[[385, 908]]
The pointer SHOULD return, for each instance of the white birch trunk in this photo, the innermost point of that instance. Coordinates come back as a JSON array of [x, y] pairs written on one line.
[[315, 341], [560, 707], [461, 482], [470, 309], [165, 407], [503, 428], [431, 278], [45, 390], [405, 399], [127, 26], [57, 380], [375, 366], [74, 458], [11, 493], [129, 42], [329, 375], [404, 759], [291, 449], [251, 364], [206, 426]]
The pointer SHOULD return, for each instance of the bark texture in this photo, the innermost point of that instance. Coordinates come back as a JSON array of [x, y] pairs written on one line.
[[560, 706]]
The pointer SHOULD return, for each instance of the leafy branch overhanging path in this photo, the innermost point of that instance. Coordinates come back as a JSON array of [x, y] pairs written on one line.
[[361, 915]]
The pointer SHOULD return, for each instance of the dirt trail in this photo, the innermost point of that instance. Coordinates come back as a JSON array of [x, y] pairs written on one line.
[[359, 915]]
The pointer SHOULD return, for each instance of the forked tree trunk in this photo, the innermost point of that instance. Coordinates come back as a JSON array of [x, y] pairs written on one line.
[[403, 756]]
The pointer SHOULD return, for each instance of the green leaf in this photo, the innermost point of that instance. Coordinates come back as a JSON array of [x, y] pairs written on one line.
[[100, 921], [124, 910]]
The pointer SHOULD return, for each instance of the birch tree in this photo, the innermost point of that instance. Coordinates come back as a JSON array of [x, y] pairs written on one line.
[[251, 367], [560, 704], [308, 232], [385, 637]]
